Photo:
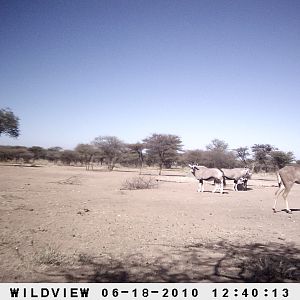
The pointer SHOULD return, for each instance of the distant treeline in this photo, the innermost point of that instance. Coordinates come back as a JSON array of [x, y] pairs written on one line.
[[163, 150]]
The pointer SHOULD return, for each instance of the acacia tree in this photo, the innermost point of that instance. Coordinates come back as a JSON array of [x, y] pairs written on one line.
[[218, 155], [217, 145], [262, 155], [196, 156], [112, 149], [242, 153], [9, 123], [16, 153], [53, 154], [38, 152], [69, 156], [86, 153], [281, 158], [138, 149], [163, 148]]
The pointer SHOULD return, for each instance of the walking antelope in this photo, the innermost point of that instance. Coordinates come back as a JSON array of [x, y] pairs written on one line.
[[286, 177]]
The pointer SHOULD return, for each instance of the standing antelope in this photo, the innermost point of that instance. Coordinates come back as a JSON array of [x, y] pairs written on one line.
[[202, 173], [286, 177], [238, 175]]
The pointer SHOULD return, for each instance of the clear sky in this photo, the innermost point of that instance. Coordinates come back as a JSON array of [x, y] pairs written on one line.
[[74, 70]]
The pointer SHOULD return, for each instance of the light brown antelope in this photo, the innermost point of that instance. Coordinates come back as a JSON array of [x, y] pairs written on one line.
[[286, 177]]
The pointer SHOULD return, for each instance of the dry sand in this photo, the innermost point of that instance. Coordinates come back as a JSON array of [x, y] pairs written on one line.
[[66, 224]]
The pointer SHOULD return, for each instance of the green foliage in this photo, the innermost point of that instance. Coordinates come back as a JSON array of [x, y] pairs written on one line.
[[262, 156], [281, 158], [163, 149]]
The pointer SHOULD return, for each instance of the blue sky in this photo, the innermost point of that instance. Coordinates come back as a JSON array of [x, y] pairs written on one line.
[[74, 70]]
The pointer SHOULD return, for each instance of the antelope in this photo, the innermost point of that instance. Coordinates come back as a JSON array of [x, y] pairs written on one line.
[[238, 175], [286, 177], [202, 173]]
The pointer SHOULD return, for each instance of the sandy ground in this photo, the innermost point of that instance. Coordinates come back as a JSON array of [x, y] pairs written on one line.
[[66, 224]]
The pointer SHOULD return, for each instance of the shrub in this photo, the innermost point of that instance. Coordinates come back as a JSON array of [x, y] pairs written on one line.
[[139, 183], [267, 268], [51, 256]]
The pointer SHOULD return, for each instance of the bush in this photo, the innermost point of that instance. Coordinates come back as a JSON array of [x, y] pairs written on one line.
[[139, 183], [267, 268], [51, 256]]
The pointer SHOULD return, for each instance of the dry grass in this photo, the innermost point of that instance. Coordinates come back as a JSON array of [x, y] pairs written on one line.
[[52, 256], [267, 268], [139, 183]]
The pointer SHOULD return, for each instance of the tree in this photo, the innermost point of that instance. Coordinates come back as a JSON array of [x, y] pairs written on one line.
[[220, 159], [242, 154], [281, 158], [163, 149], [218, 156], [69, 156], [138, 149], [9, 123], [86, 153], [217, 145], [194, 157], [17, 153], [53, 154], [38, 152], [112, 149], [262, 155]]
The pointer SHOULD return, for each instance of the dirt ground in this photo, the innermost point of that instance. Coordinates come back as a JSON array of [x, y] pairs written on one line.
[[66, 224]]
